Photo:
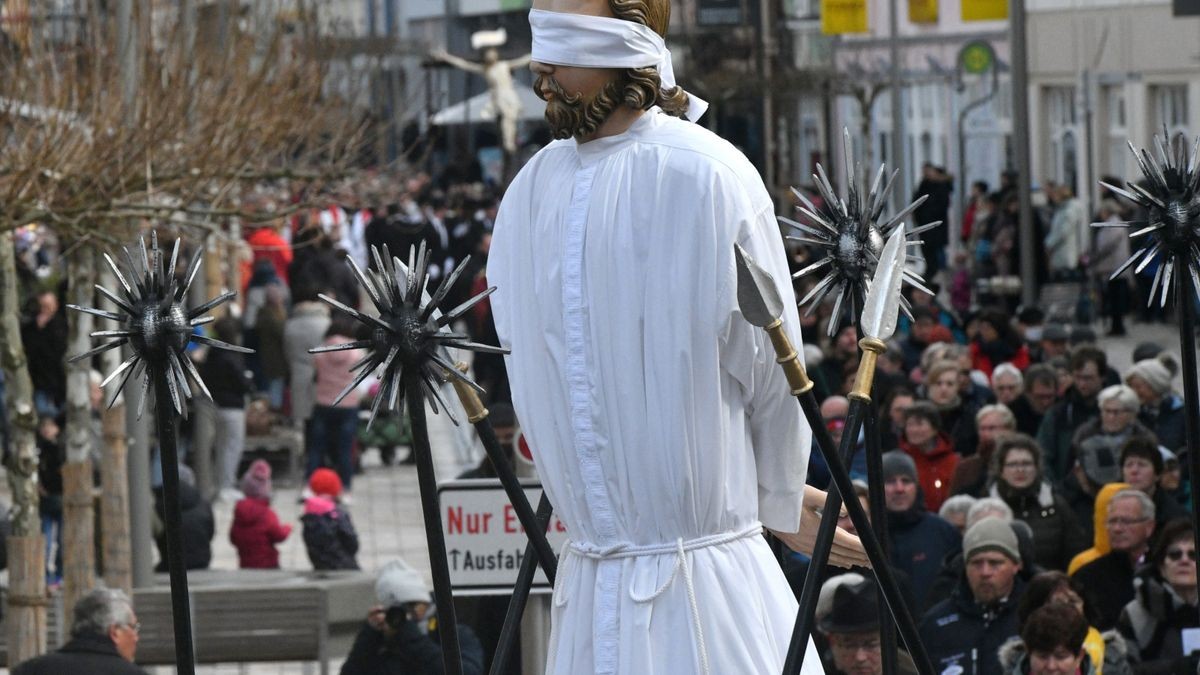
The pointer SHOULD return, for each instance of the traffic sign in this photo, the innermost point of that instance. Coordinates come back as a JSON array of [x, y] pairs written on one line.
[[977, 57], [485, 542]]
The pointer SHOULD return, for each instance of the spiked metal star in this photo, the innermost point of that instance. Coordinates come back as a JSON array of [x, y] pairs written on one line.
[[1172, 227], [155, 324], [408, 337], [848, 232]]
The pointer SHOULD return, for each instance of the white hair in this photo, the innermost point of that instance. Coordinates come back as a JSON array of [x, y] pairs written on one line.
[[1008, 369], [1143, 500], [989, 507], [956, 504], [100, 610], [1122, 394]]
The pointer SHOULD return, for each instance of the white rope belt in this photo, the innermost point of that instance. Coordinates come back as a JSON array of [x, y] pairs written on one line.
[[680, 548]]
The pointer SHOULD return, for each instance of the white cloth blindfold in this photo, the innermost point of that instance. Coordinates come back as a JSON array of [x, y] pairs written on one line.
[[564, 39]]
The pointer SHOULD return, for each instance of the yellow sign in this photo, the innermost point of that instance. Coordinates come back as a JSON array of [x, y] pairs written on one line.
[[923, 11], [843, 16], [984, 10]]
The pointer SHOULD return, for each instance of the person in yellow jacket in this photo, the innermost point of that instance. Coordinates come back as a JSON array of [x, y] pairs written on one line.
[[1100, 545]]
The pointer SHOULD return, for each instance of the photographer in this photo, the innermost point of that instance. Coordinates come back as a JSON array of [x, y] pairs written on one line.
[[401, 632]]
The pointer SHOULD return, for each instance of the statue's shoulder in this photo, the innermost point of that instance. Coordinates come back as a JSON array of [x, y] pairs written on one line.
[[703, 154]]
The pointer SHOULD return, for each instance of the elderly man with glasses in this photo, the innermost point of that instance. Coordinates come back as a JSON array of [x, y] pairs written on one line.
[[1109, 579], [104, 638]]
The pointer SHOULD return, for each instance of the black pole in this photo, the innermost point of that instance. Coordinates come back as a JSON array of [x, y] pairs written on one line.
[[434, 535], [516, 604], [185, 657], [1185, 301], [539, 545], [811, 590], [878, 507], [879, 561]]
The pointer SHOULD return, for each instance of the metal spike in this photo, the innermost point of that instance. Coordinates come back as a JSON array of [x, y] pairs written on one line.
[[98, 350], [139, 281], [1166, 284], [1128, 195], [812, 307], [1118, 223], [432, 388], [145, 263], [1128, 263], [800, 226], [1147, 230], [387, 362], [812, 293], [1154, 285], [477, 347], [453, 372], [193, 268], [1153, 252], [135, 371], [443, 288], [111, 334], [813, 267], [462, 309], [220, 299], [836, 317], [125, 307], [1144, 193], [120, 277], [179, 376], [365, 318], [98, 312], [883, 196], [221, 345], [201, 320], [904, 213], [145, 395], [924, 228], [366, 283], [120, 369], [358, 379], [195, 375], [357, 344], [808, 240]]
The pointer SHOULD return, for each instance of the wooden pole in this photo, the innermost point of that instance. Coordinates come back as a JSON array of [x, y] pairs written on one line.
[[26, 618], [78, 534]]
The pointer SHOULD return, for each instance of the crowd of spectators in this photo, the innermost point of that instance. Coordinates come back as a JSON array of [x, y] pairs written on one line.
[[1036, 510]]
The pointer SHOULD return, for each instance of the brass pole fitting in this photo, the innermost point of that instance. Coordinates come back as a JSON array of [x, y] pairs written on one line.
[[789, 359], [865, 378]]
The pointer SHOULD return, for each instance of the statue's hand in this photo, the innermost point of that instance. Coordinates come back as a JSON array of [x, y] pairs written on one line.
[[438, 54], [847, 550]]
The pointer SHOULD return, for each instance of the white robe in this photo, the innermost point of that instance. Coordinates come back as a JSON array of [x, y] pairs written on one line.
[[658, 417]]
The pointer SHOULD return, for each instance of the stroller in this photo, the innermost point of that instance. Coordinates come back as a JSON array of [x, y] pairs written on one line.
[[389, 432]]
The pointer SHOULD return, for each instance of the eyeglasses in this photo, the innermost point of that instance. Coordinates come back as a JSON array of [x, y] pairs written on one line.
[[868, 644], [1115, 411], [136, 626], [1019, 465], [1124, 522], [1176, 554]]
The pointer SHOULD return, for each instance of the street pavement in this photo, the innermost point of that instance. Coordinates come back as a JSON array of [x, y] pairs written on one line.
[[387, 513]]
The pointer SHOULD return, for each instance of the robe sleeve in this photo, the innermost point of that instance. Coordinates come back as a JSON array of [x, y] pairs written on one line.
[[779, 435]]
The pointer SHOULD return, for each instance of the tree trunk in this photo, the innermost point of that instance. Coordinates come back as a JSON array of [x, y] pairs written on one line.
[[78, 537], [114, 478], [26, 616]]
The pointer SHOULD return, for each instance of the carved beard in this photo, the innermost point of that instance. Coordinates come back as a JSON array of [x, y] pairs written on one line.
[[568, 115]]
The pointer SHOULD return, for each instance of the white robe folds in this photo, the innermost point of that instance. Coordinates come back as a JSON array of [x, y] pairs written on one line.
[[662, 427]]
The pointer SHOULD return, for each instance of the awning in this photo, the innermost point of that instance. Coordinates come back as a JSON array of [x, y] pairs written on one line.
[[532, 109]]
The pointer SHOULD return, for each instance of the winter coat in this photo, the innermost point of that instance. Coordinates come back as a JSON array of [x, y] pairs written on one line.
[[334, 374], [960, 632], [225, 374], [271, 355], [1028, 419], [44, 349], [985, 356], [1167, 509], [198, 529], [1057, 536], [920, 542], [304, 330], [958, 423], [409, 652], [935, 469], [1014, 660], [91, 654], [255, 531], [329, 535], [1152, 623], [1058, 431], [1166, 420], [1108, 584]]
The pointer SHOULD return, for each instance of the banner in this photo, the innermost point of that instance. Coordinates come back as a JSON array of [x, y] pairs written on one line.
[[843, 16], [923, 11], [984, 10]]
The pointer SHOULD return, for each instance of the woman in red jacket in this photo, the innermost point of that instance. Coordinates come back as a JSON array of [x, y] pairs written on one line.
[[256, 528], [997, 342], [931, 450]]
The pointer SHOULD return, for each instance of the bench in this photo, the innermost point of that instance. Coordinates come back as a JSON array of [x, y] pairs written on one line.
[[281, 439]]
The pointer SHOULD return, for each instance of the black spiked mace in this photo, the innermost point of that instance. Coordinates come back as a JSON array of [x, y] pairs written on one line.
[[407, 348], [1170, 194], [760, 304], [157, 327]]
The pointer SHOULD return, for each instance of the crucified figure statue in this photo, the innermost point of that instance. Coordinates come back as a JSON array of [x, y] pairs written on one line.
[[497, 72]]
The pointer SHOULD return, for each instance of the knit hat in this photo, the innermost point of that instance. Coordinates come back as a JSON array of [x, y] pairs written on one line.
[[991, 534], [398, 583], [1055, 333], [1153, 373], [325, 482], [898, 463], [257, 480]]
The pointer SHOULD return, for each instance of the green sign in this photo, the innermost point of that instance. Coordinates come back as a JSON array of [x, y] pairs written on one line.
[[976, 58]]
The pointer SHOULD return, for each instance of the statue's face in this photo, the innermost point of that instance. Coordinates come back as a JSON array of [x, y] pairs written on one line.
[[570, 92], [491, 56]]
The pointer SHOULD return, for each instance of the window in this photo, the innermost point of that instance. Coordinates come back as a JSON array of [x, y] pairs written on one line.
[[1116, 132], [1061, 163], [1169, 110]]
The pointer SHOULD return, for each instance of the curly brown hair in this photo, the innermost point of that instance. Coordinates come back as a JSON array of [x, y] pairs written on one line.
[[641, 88]]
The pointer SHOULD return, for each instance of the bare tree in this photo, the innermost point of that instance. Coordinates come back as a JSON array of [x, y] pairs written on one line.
[[130, 119]]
